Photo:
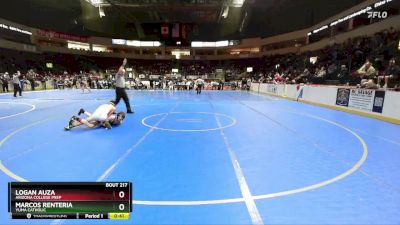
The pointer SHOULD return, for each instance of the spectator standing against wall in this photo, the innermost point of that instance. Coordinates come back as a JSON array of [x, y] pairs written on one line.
[[244, 83], [392, 73], [90, 82], [344, 75], [332, 71], [44, 80], [21, 80]]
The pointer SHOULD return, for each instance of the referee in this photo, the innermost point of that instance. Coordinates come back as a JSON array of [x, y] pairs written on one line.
[[120, 87]]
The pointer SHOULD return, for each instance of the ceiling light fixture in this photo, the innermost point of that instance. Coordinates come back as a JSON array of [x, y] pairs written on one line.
[[237, 3], [226, 12], [101, 12]]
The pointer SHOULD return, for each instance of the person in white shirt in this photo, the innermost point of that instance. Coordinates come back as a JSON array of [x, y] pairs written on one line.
[[104, 115], [214, 85], [199, 85]]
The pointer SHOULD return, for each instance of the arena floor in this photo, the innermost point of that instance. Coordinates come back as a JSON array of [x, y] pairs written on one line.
[[218, 158]]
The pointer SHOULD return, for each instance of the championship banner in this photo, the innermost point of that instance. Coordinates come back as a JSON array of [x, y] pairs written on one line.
[[363, 99]]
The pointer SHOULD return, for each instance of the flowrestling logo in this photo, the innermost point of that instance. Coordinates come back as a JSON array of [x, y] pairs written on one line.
[[377, 14]]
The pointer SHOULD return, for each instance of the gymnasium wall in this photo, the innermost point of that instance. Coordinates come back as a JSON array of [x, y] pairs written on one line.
[[378, 104]]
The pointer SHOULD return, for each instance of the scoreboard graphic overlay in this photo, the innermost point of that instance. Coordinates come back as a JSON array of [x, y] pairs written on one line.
[[70, 200]]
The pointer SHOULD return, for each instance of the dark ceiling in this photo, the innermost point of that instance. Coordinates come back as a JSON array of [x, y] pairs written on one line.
[[141, 19]]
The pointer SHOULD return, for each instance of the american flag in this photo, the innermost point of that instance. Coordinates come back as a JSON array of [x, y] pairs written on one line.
[[175, 30]]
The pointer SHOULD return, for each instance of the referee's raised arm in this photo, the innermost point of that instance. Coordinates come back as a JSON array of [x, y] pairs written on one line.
[[121, 70], [120, 87]]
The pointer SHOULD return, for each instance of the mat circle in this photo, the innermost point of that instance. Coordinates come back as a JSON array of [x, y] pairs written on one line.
[[232, 122]]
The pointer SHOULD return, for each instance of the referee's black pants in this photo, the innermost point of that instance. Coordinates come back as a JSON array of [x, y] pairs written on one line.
[[121, 93], [198, 89], [18, 89]]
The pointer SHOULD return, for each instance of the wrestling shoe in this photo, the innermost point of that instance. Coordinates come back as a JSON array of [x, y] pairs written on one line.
[[107, 125], [71, 123], [81, 111], [73, 118], [130, 112]]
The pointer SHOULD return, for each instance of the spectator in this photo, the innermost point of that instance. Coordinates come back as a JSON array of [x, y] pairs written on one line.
[[343, 75], [392, 73], [54, 81], [367, 71], [369, 84], [44, 80], [244, 84], [278, 78], [22, 80], [304, 77], [331, 73]]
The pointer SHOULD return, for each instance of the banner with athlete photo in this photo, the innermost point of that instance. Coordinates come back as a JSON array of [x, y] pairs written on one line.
[[363, 99], [342, 97]]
